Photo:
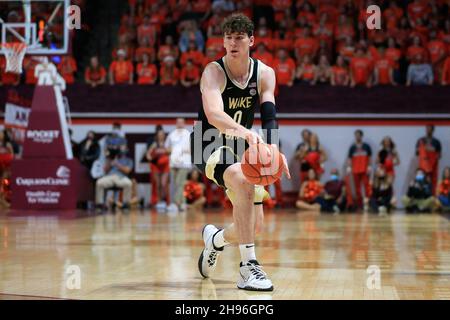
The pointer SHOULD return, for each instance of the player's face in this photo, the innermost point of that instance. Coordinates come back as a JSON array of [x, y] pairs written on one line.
[[237, 44]]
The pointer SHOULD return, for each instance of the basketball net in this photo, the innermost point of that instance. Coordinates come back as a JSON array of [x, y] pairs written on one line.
[[14, 53]]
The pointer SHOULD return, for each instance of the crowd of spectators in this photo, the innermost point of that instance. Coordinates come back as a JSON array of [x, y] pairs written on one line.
[[368, 184], [305, 41]]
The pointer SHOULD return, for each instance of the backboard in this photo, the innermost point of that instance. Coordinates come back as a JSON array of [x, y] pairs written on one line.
[[41, 24]]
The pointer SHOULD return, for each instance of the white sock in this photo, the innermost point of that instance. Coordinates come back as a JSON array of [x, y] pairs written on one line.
[[247, 252], [218, 240]]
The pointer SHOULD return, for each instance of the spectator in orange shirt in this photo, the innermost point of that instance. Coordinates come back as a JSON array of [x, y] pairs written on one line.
[[307, 45], [126, 46], [193, 54], [383, 69], [324, 30], [67, 67], [306, 70], [402, 33], [417, 9], [127, 28], [306, 11], [280, 7], [146, 71], [342, 30], [121, 71], [329, 8], [144, 47], [169, 73], [210, 56], [262, 54], [283, 37], [190, 75], [360, 69], [215, 38], [416, 49], [377, 37], [394, 54], [148, 31], [284, 67], [437, 52], [94, 74], [421, 30], [322, 72], [201, 7], [158, 14], [299, 27], [262, 36], [446, 72], [339, 73], [168, 49], [392, 15], [347, 51]]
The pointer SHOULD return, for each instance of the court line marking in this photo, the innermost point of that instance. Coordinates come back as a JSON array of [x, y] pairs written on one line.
[[31, 296]]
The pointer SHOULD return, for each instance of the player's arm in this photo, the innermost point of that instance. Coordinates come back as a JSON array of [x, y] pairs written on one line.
[[268, 113], [269, 121], [210, 84]]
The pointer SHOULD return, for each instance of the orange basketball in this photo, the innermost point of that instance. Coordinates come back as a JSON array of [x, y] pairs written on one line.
[[262, 164]]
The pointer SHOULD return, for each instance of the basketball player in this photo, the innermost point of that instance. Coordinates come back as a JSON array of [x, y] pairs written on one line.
[[231, 87]]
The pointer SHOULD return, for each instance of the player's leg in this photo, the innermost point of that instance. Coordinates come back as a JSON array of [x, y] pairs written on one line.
[[214, 168], [230, 176], [243, 208], [252, 277], [229, 235]]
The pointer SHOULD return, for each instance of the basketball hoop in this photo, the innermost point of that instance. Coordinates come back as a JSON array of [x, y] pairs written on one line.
[[14, 53]]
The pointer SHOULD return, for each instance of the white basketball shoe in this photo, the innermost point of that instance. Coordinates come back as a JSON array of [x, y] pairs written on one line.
[[208, 258], [253, 278]]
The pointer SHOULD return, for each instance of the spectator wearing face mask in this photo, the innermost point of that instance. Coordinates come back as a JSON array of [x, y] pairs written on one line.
[[115, 140], [419, 197], [381, 200], [333, 198]]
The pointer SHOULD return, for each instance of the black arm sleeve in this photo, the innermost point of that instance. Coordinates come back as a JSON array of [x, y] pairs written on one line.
[[269, 122]]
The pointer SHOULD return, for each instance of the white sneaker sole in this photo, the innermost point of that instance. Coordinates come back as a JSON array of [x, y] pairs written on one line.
[[241, 285], [200, 259]]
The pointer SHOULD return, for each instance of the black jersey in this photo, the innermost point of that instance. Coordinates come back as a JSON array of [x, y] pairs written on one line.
[[239, 102]]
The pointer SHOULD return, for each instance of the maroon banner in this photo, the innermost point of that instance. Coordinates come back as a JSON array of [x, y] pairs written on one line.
[[43, 137], [49, 184]]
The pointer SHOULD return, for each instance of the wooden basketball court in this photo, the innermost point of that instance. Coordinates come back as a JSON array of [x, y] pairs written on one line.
[[146, 255]]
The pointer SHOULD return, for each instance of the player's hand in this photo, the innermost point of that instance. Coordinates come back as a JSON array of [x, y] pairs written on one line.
[[285, 163], [253, 138]]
